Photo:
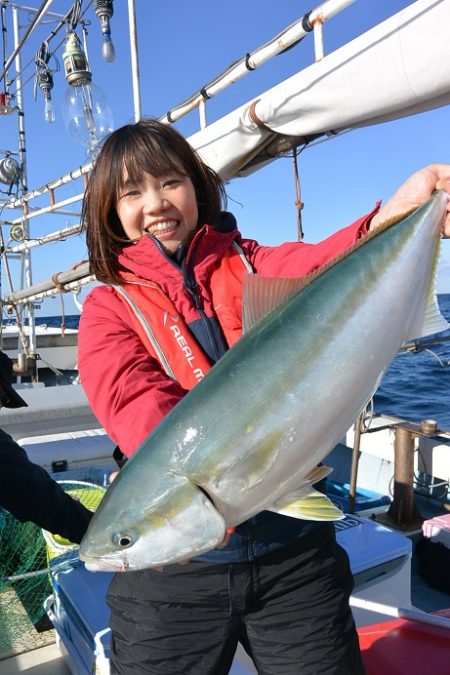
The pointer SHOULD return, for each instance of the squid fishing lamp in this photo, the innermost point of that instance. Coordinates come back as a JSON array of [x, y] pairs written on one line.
[[76, 67]]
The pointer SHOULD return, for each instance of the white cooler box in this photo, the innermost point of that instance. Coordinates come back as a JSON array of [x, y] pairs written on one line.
[[380, 560]]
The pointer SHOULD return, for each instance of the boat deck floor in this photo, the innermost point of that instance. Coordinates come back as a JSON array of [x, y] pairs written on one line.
[[42, 661], [49, 661]]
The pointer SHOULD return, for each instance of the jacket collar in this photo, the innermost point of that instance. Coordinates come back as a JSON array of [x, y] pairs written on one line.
[[146, 259]]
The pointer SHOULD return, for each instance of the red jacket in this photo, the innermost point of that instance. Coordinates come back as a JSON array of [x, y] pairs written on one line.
[[127, 388]]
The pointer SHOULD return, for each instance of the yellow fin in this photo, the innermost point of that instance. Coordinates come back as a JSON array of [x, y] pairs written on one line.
[[318, 473], [311, 505]]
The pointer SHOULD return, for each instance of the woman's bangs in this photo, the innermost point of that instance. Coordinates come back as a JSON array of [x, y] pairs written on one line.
[[150, 158]]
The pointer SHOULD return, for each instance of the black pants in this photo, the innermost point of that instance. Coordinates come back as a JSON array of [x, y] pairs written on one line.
[[289, 609]]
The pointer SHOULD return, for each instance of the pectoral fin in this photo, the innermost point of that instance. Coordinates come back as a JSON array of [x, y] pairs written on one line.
[[307, 505], [317, 474]]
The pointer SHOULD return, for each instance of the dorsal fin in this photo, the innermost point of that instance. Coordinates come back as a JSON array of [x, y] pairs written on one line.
[[260, 295]]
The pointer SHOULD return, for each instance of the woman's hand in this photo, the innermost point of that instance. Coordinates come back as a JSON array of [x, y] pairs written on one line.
[[414, 192]]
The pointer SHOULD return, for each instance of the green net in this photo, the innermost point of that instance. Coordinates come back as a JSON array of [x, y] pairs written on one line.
[[25, 553], [22, 591]]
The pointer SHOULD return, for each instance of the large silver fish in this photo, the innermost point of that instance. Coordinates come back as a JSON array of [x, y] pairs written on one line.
[[250, 435]]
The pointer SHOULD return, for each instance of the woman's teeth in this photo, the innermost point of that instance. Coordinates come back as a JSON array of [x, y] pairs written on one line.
[[162, 227]]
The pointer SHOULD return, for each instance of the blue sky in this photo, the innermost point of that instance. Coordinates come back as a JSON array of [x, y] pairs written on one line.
[[182, 46]]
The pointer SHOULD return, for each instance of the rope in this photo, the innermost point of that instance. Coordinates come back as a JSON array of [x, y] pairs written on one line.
[[298, 200]]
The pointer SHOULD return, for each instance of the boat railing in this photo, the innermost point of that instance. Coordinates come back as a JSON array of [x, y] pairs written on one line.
[[289, 37], [408, 437]]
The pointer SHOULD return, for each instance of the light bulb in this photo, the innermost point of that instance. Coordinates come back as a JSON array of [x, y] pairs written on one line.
[[45, 81], [104, 11], [86, 111], [49, 115], [87, 115], [108, 53]]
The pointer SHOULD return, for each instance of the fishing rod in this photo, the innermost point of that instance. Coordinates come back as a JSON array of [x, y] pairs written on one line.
[[65, 564], [419, 345], [422, 346]]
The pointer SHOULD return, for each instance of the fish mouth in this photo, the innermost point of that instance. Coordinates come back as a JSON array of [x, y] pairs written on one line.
[[106, 563]]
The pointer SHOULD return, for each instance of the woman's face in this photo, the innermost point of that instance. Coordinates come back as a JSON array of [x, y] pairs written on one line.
[[165, 207]]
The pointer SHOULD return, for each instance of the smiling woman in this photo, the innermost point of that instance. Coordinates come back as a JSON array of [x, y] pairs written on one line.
[[177, 189]]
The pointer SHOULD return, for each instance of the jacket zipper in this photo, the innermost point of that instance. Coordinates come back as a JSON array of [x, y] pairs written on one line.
[[192, 287]]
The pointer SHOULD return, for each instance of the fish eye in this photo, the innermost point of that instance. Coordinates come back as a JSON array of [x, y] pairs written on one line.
[[123, 539]]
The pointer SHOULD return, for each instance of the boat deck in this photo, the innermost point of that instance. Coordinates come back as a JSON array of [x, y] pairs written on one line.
[[48, 660], [41, 661]]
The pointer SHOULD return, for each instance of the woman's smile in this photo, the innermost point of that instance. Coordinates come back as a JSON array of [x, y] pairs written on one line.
[[163, 228]]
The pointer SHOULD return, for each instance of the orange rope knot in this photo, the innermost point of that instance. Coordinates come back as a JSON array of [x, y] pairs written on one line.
[[58, 284], [254, 117], [78, 264]]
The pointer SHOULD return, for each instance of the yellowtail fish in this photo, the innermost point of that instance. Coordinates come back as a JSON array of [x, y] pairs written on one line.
[[251, 434]]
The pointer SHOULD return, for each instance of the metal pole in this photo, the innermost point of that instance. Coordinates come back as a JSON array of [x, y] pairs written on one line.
[[17, 44], [407, 613], [276, 45], [403, 510], [134, 60], [48, 209], [52, 236], [355, 462], [318, 40], [49, 187], [27, 275], [19, 297]]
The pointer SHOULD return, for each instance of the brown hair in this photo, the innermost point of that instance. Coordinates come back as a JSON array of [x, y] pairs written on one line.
[[146, 146]]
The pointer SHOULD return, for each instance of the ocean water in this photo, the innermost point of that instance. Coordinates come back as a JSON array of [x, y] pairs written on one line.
[[416, 386]]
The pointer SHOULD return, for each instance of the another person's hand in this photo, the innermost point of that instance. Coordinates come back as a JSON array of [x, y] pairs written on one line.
[[414, 192]]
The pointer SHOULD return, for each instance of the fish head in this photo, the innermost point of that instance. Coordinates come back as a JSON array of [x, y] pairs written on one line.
[[134, 530]]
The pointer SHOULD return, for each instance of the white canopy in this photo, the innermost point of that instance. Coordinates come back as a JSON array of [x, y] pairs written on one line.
[[398, 68]]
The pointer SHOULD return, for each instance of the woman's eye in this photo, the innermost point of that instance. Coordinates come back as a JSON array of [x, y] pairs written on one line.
[[171, 182], [130, 193]]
